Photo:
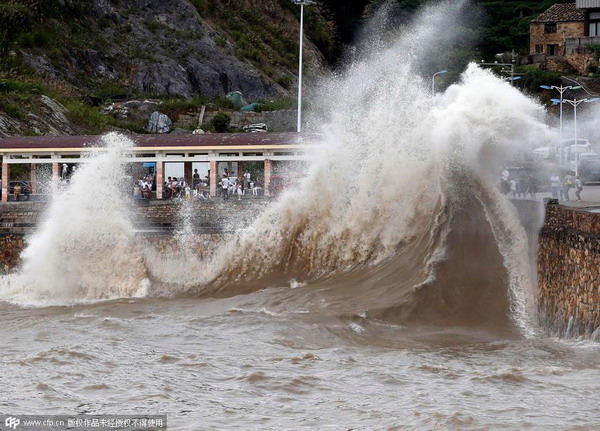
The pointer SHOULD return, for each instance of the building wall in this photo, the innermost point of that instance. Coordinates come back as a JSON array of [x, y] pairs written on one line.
[[583, 4], [569, 271], [564, 30]]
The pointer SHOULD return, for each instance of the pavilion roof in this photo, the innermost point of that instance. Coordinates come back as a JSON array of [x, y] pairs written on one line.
[[150, 141]]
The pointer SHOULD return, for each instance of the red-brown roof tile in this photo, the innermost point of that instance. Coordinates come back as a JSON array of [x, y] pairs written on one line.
[[205, 140], [561, 12]]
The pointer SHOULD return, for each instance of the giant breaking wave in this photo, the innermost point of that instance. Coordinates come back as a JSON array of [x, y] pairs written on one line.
[[398, 216]]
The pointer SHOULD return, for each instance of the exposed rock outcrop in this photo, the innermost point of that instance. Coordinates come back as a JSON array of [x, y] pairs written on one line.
[[47, 117], [165, 47]]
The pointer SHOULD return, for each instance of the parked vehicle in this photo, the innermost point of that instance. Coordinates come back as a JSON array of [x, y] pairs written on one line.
[[25, 188], [589, 167], [544, 153], [255, 128], [24, 185]]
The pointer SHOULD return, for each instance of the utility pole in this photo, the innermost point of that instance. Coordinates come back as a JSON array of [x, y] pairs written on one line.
[[302, 3], [511, 65]]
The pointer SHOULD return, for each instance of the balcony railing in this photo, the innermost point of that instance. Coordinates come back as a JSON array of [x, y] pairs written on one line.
[[578, 45]]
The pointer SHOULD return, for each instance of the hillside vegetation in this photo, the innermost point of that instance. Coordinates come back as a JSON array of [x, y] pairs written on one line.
[[61, 60], [86, 52]]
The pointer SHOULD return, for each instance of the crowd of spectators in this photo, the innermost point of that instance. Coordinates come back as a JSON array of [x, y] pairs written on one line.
[[525, 185], [521, 185], [238, 186], [178, 188]]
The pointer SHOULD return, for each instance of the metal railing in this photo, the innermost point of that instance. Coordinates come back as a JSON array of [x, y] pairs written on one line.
[[578, 45]]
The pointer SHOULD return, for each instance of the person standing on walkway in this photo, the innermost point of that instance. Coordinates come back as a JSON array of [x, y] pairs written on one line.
[[579, 188], [17, 192], [195, 180], [504, 185], [225, 187], [531, 186], [555, 185], [513, 188], [568, 184]]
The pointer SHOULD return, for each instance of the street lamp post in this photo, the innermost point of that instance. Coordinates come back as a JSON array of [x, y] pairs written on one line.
[[441, 72], [561, 90], [575, 103], [302, 3]]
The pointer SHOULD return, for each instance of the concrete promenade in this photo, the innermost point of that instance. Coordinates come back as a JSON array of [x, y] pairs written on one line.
[[590, 198]]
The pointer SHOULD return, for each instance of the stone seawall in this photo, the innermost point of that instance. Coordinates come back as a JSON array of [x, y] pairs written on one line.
[[11, 247], [568, 266], [209, 224], [214, 215]]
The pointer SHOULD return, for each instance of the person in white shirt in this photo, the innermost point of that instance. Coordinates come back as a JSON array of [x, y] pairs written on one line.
[[225, 187], [555, 185], [247, 180], [513, 187], [504, 185]]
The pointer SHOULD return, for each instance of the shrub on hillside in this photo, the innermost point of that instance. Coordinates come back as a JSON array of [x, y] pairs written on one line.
[[221, 122], [14, 18]]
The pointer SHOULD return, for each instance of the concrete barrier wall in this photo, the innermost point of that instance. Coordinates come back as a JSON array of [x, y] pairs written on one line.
[[568, 268], [211, 222]]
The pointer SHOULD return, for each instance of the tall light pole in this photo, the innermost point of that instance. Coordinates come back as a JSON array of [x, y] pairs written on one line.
[[575, 103], [302, 3], [561, 90], [441, 72]]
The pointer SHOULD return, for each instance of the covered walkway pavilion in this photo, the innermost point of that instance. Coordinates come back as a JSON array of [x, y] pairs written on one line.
[[213, 149]]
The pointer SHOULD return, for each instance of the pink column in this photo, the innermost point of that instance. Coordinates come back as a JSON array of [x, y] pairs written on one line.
[[33, 180], [213, 177], [55, 181], [55, 172], [5, 181], [160, 179], [268, 165]]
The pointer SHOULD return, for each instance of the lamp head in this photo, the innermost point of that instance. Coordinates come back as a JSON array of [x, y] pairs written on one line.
[[303, 2], [546, 87]]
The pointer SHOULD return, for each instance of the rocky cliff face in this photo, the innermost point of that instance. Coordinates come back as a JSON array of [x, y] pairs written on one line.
[[48, 119], [61, 60], [165, 47]]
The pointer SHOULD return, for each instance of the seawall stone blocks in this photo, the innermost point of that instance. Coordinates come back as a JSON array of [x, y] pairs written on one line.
[[207, 224], [568, 268]]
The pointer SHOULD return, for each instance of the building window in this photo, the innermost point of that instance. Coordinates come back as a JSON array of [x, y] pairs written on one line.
[[552, 49], [550, 27], [594, 28], [539, 49]]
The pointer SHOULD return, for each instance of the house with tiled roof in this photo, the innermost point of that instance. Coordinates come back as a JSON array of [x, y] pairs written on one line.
[[550, 31], [559, 36]]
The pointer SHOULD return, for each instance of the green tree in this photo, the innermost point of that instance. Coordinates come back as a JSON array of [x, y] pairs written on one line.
[[14, 18]]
